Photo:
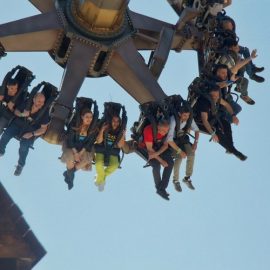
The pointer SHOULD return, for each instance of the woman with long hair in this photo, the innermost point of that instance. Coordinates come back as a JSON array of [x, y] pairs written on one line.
[[78, 147]]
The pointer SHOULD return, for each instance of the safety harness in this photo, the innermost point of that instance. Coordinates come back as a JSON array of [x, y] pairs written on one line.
[[24, 77], [112, 109]]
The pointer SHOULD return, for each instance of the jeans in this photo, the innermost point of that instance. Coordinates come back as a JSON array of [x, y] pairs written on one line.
[[102, 171], [224, 134], [250, 66], [236, 109], [11, 132], [3, 124], [161, 183], [242, 85]]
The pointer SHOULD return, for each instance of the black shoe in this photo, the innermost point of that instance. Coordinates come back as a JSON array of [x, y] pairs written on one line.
[[68, 179], [258, 69], [188, 182], [177, 186], [257, 78], [18, 170], [163, 194], [240, 156]]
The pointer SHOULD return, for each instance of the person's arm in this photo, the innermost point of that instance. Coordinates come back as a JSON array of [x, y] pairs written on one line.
[[178, 150], [243, 62], [204, 116], [1, 97], [227, 3], [36, 133], [229, 108], [11, 105], [195, 143], [150, 150], [21, 114], [162, 149], [100, 136], [121, 142]]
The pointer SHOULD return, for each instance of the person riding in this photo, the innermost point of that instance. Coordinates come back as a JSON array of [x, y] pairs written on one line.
[[221, 76], [236, 65], [179, 141], [208, 119], [28, 125], [159, 155], [8, 103], [78, 147], [228, 24], [107, 150]]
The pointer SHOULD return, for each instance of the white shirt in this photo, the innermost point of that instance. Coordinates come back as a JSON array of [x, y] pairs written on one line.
[[171, 133]]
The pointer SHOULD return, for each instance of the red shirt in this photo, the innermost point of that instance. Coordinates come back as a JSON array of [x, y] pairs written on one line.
[[148, 136]]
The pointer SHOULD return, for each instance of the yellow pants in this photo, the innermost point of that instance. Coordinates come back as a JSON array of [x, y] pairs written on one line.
[[103, 172]]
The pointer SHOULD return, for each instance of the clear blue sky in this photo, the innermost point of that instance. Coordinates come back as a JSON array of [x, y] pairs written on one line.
[[224, 224]]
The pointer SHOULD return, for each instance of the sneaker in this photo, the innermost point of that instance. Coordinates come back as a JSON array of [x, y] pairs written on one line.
[[177, 186], [258, 69], [247, 99], [163, 194], [18, 170], [188, 182]]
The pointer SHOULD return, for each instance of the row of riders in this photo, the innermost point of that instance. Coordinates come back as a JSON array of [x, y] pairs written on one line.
[[161, 135]]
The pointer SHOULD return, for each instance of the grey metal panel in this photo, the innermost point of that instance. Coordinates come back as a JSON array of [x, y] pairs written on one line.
[[43, 5], [187, 15], [145, 23], [82, 56], [162, 51], [76, 70], [128, 68], [37, 41], [37, 23]]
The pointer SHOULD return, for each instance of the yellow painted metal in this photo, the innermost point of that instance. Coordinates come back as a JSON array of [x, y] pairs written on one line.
[[100, 15]]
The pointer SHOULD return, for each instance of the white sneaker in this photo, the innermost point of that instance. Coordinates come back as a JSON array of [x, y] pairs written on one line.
[[101, 187]]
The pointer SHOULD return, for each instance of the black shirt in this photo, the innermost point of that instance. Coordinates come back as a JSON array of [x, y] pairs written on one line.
[[203, 105], [77, 141]]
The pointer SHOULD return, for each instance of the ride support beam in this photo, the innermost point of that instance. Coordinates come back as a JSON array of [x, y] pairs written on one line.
[[36, 33], [128, 69], [160, 55], [81, 58], [44, 5]]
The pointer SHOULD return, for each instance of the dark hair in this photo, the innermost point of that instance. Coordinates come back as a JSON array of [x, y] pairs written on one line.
[[12, 81], [163, 121], [229, 19], [85, 111], [185, 108], [79, 125], [229, 42], [219, 66], [214, 88]]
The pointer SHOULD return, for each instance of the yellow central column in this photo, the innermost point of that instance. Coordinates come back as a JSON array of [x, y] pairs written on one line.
[[101, 15]]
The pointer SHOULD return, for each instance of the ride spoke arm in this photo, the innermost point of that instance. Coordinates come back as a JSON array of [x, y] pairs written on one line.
[[36, 33], [43, 5], [127, 67]]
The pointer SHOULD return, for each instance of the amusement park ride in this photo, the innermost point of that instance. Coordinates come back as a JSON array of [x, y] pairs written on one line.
[[95, 38]]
